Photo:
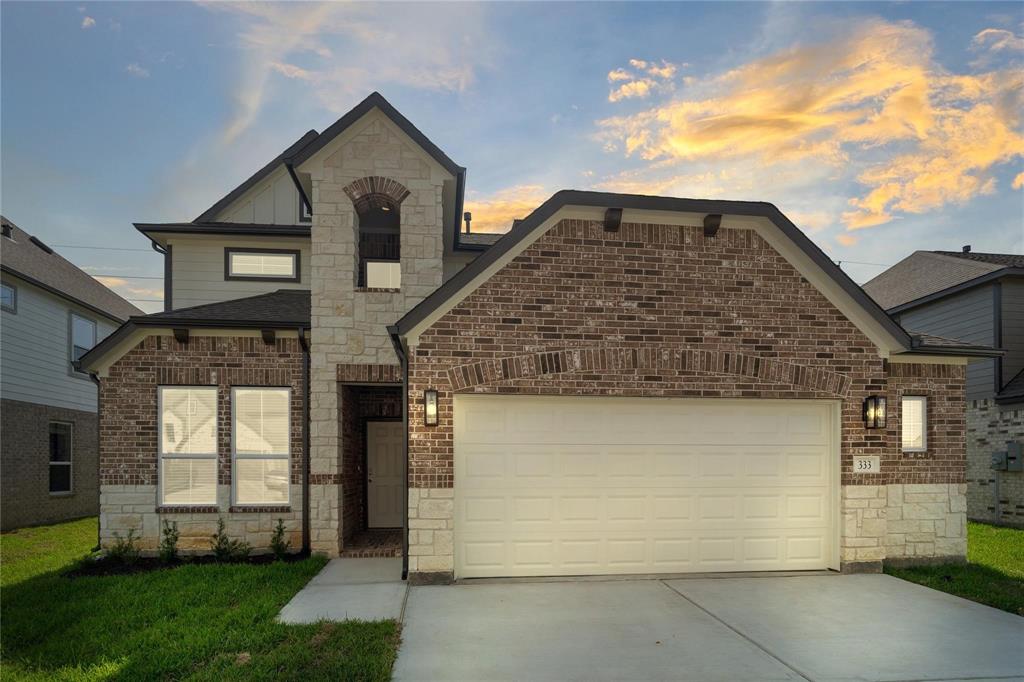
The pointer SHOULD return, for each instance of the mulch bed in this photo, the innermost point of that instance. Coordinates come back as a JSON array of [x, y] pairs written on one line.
[[101, 565]]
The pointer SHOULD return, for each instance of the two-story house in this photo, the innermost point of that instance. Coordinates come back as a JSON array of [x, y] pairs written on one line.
[[977, 297], [51, 314], [619, 384]]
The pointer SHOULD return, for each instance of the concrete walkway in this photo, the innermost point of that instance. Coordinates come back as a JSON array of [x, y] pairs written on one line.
[[857, 627], [350, 589]]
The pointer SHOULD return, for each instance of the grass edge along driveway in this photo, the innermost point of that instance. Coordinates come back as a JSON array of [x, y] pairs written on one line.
[[199, 622], [993, 574]]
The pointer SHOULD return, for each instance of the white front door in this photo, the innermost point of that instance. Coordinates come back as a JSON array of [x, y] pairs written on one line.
[[385, 491], [575, 485]]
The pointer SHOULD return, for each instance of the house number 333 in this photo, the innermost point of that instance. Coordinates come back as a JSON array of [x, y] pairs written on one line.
[[866, 465]]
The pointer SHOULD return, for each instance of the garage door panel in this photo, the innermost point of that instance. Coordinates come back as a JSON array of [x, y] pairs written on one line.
[[570, 486]]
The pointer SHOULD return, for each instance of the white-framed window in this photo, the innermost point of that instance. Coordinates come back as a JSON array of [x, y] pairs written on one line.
[[9, 297], [261, 264], [260, 444], [188, 445], [381, 274], [82, 337], [60, 457], [914, 420]]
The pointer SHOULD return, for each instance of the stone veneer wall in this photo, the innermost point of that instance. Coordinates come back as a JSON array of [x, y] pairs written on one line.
[[993, 496], [659, 310], [25, 497], [129, 425], [349, 324]]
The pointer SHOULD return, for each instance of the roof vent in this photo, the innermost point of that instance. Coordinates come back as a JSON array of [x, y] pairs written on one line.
[[40, 244], [468, 217], [966, 248], [8, 231]]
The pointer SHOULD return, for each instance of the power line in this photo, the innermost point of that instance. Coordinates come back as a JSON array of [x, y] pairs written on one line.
[[860, 262], [100, 248], [127, 276]]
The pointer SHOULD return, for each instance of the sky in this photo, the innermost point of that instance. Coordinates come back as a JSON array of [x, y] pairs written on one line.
[[878, 129]]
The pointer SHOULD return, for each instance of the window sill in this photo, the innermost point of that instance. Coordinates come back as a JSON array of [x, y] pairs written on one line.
[[70, 493], [260, 509], [379, 290], [196, 509]]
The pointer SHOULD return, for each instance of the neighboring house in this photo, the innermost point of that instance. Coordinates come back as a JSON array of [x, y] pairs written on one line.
[[52, 313], [979, 298], [620, 384]]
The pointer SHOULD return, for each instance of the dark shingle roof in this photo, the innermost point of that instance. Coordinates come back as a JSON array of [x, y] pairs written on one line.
[[480, 238], [27, 257], [1013, 391], [281, 308], [1007, 260]]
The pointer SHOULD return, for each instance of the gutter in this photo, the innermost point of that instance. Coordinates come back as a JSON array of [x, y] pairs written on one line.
[[403, 359], [306, 545], [99, 469]]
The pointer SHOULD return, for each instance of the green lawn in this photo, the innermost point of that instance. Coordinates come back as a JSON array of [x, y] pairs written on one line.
[[994, 574], [199, 622]]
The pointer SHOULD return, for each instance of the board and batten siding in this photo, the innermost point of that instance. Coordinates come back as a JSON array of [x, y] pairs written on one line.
[[274, 201], [1013, 327], [968, 316], [197, 269], [35, 350]]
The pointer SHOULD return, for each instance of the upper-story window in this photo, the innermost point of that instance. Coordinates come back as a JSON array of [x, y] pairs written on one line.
[[83, 337], [9, 297], [379, 242], [261, 265]]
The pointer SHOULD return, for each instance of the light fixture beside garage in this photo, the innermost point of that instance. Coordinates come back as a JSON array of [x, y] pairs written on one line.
[[874, 412], [430, 407]]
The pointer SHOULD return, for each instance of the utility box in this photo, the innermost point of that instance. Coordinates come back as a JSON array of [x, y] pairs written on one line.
[[1014, 461], [999, 461]]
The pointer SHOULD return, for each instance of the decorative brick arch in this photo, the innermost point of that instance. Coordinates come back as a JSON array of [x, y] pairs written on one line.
[[363, 188], [656, 358]]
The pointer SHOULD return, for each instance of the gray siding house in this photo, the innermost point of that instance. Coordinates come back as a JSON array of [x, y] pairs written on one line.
[[52, 313], [976, 298]]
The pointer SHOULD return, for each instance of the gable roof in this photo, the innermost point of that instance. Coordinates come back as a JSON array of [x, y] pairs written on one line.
[[210, 214], [374, 100], [474, 274], [281, 309], [30, 259], [925, 275]]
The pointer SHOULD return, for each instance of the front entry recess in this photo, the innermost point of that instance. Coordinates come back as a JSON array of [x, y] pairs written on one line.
[[384, 489]]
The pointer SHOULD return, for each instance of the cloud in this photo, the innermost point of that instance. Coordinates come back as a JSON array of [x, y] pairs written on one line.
[[1018, 182], [129, 291], [870, 103], [496, 212], [998, 39], [847, 239], [644, 79], [134, 69], [88, 22], [342, 51]]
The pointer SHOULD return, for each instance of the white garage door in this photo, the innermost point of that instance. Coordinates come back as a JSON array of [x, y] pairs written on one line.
[[578, 486]]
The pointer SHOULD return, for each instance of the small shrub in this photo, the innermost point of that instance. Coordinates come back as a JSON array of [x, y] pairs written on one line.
[[124, 550], [278, 544], [169, 542], [225, 549]]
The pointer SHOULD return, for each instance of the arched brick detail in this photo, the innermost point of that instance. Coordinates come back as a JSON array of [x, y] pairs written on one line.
[[364, 187], [656, 358]]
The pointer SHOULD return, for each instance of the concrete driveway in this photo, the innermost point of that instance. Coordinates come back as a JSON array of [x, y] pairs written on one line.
[[857, 627]]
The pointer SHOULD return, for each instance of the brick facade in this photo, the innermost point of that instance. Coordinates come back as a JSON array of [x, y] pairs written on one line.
[[663, 311], [129, 433], [993, 496], [25, 498]]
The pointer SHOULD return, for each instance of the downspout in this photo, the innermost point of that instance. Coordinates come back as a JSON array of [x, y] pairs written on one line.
[[168, 274], [99, 470], [305, 440], [403, 359]]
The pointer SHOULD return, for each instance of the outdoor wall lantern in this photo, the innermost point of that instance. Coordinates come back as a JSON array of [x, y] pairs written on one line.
[[430, 407], [874, 412]]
